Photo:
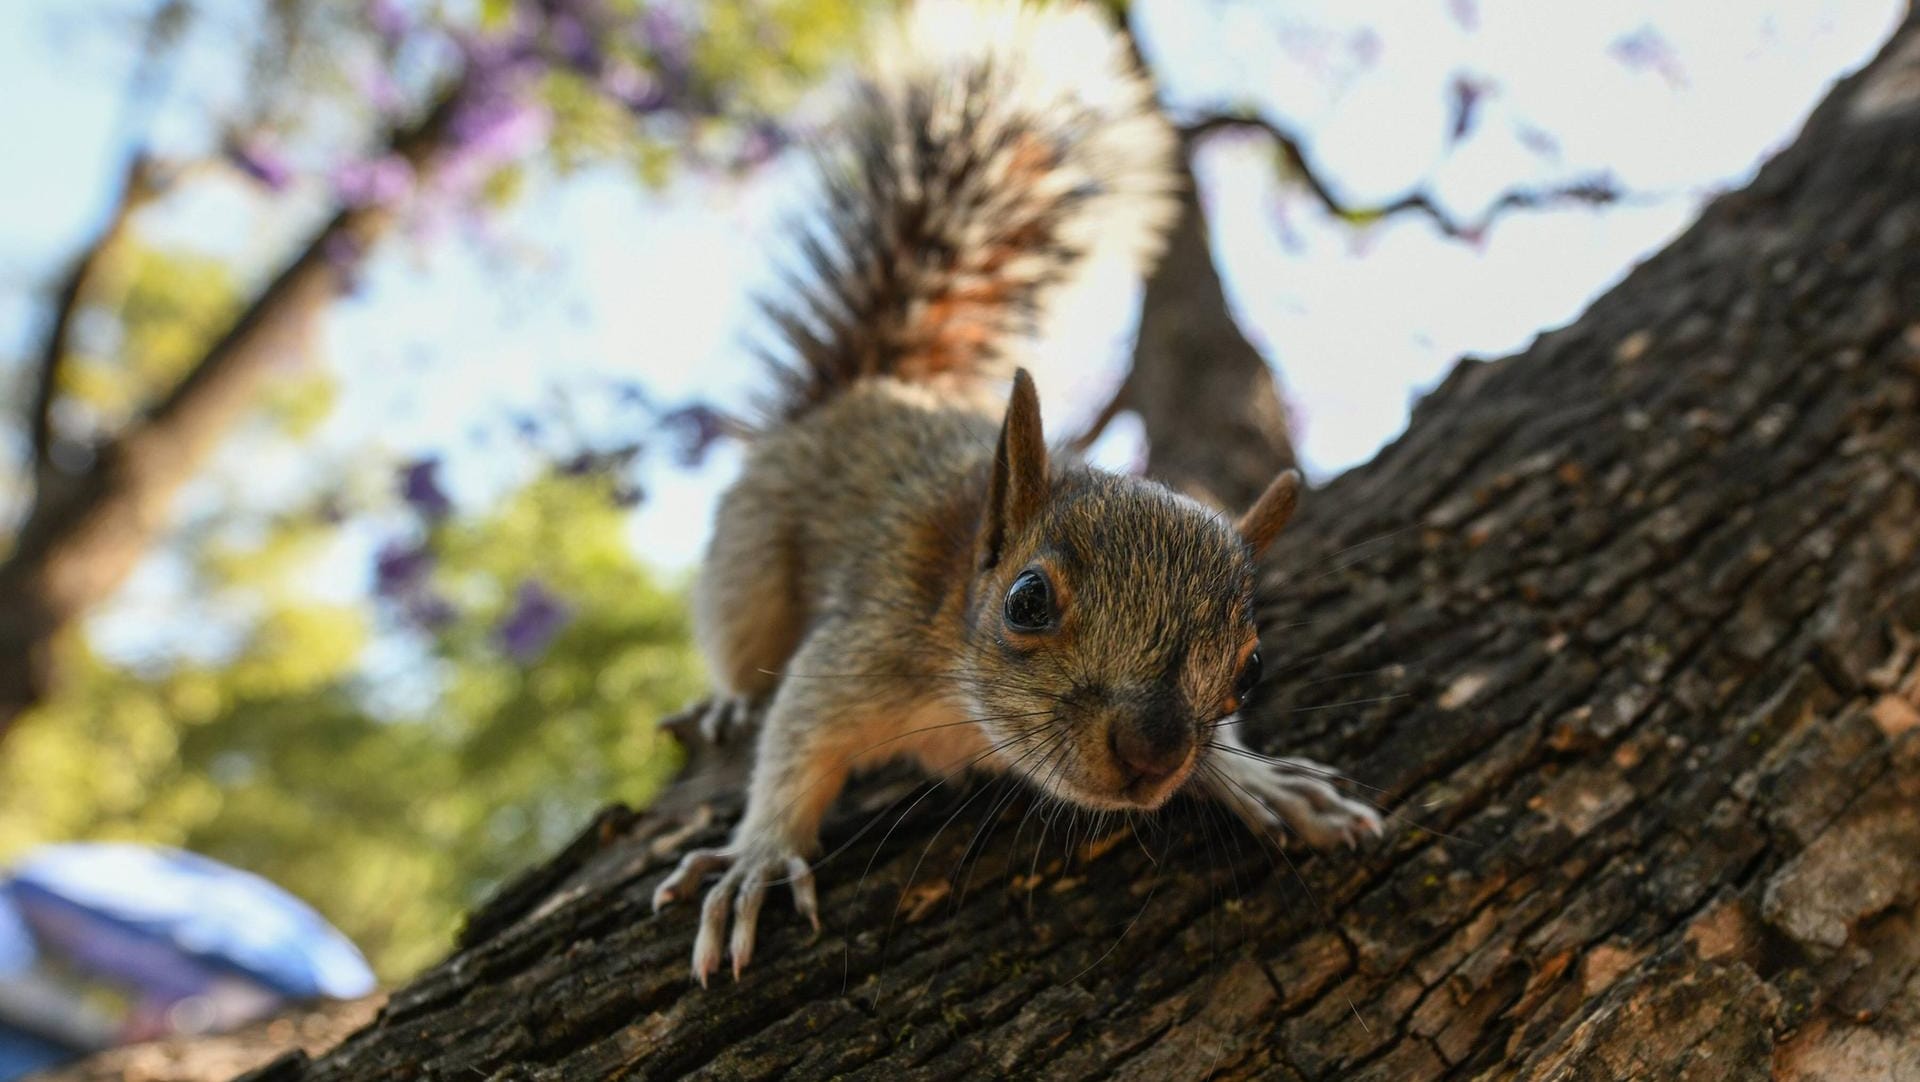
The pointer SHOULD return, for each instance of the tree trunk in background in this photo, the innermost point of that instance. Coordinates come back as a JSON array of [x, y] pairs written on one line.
[[1215, 425], [84, 534]]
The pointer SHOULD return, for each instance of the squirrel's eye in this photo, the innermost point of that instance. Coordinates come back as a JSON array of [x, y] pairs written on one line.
[[1249, 679], [1030, 603]]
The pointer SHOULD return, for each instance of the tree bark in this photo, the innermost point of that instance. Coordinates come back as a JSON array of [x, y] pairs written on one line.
[[207, 1058], [1625, 630]]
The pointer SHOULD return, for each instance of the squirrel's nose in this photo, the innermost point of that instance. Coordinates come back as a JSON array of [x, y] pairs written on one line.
[[1151, 752]]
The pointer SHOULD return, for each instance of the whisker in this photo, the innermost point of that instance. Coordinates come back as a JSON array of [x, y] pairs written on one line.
[[914, 875], [848, 759], [1337, 553], [1037, 689], [1355, 675], [1091, 966], [1243, 717], [1313, 899], [1348, 702], [860, 884]]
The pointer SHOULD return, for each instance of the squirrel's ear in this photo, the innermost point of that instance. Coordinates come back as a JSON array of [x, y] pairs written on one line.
[[1018, 488], [1269, 514]]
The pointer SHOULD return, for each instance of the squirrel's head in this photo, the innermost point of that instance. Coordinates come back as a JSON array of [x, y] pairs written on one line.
[[1110, 620]]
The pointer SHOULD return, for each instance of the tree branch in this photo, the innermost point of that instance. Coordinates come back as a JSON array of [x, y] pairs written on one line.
[[138, 189], [1598, 190]]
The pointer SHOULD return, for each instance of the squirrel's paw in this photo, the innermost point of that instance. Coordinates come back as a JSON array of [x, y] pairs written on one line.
[[1281, 795], [746, 871], [716, 720]]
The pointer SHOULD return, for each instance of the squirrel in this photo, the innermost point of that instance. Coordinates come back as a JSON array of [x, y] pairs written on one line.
[[903, 568]]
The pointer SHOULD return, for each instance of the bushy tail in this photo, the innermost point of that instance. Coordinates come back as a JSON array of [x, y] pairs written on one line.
[[996, 149]]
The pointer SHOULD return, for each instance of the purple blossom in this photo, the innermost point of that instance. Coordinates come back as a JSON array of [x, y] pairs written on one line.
[[491, 129], [429, 610], [381, 89], [499, 127], [377, 181], [1465, 95], [1646, 49], [633, 88], [670, 44], [401, 574], [694, 430], [344, 253], [763, 139], [400, 569], [574, 42], [530, 626], [261, 161], [662, 30], [1539, 141], [497, 118], [389, 19], [614, 464], [1365, 47], [420, 487]]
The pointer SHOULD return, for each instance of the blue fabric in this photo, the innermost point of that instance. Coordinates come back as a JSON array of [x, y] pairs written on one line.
[[22, 1053], [16, 943], [117, 901]]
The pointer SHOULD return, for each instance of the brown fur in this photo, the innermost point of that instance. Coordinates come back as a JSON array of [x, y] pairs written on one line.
[[855, 592], [853, 595]]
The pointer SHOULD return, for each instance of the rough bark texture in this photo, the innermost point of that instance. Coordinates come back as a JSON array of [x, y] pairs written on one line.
[[1624, 631], [312, 1029]]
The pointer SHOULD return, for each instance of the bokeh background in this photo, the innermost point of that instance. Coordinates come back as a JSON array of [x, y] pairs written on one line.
[[399, 620]]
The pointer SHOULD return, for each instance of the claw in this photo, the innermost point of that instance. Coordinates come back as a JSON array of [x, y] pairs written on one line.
[[746, 919], [805, 901], [692, 869], [713, 921], [738, 898], [1292, 794]]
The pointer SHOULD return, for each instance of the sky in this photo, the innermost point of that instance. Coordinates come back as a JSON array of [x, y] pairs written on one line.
[[589, 279]]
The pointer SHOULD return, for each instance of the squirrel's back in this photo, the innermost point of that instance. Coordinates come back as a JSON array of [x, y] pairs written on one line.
[[993, 151]]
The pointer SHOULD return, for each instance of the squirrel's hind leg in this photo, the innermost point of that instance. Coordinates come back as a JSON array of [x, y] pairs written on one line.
[[747, 620]]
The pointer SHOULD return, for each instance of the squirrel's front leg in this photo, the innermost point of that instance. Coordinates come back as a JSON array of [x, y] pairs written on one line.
[[799, 769], [1270, 793]]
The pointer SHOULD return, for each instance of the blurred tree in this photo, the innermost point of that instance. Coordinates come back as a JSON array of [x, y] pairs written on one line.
[[548, 651], [458, 101]]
